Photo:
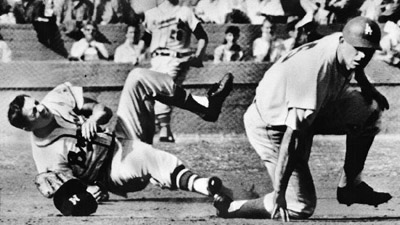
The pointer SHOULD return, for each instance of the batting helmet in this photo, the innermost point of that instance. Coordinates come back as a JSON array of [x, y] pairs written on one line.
[[72, 199], [362, 32]]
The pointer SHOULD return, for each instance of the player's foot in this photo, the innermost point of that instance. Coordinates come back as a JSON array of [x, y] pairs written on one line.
[[214, 186], [222, 203], [166, 134], [216, 97], [361, 194], [170, 139]]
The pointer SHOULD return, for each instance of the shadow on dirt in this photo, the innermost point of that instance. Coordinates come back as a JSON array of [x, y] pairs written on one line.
[[176, 200], [358, 219]]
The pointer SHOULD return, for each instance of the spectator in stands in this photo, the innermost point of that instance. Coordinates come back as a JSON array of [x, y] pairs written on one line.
[[391, 11], [5, 51], [290, 42], [213, 11], [237, 16], [114, 11], [267, 48], [43, 18], [390, 44], [26, 11], [256, 10], [7, 16], [371, 9], [342, 10], [307, 33], [189, 3], [129, 52], [229, 51], [302, 10], [88, 49], [73, 14]]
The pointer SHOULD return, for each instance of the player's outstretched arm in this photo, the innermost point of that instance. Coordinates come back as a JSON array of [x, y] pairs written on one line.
[[283, 171]]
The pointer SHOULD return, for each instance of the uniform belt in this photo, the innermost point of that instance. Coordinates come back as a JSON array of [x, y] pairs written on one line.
[[170, 53]]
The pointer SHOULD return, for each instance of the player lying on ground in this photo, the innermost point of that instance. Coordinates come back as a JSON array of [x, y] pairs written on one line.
[[307, 92], [67, 141]]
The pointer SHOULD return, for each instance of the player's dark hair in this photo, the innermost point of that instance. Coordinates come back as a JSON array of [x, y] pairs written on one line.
[[15, 116]]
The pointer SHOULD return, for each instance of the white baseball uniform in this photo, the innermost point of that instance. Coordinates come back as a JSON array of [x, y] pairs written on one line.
[[306, 86], [129, 164]]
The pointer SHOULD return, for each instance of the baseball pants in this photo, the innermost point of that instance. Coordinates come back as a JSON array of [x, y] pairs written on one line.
[[136, 162], [175, 68]]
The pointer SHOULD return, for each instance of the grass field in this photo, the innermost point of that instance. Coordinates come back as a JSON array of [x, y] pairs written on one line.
[[229, 157]]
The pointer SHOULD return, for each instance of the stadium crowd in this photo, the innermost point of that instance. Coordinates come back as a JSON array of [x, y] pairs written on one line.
[[50, 17]]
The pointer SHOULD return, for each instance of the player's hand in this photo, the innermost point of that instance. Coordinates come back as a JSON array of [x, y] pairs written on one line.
[[97, 193], [370, 95], [280, 206], [89, 129], [381, 99]]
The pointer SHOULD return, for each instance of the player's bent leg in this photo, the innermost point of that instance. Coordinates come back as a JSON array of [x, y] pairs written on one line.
[[136, 105], [136, 159], [184, 179], [207, 107], [362, 122]]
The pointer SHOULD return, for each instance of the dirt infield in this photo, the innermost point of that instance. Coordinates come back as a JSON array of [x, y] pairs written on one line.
[[229, 157]]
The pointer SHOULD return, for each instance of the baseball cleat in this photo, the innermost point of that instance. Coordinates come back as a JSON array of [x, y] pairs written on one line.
[[214, 186], [361, 194], [222, 204], [216, 97], [169, 139]]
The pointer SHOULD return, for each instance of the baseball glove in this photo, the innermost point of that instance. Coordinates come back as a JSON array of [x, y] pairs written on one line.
[[49, 182]]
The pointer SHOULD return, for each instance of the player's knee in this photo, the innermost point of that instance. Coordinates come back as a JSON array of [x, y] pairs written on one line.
[[135, 77]]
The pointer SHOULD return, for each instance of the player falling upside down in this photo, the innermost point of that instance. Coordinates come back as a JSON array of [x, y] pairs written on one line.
[[307, 92], [66, 137]]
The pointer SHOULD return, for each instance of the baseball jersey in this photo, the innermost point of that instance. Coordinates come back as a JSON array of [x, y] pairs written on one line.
[[301, 82], [170, 27], [60, 150]]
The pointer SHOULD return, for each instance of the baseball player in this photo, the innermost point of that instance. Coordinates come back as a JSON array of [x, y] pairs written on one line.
[[168, 28], [68, 142], [305, 92]]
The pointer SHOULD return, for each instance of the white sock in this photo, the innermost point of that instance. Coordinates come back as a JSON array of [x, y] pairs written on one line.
[[200, 185], [202, 100]]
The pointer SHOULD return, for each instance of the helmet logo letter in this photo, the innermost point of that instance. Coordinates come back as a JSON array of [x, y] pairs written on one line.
[[368, 29], [74, 199]]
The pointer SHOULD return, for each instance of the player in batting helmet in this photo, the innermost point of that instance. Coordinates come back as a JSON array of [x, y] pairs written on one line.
[[308, 92]]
